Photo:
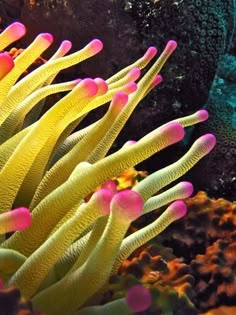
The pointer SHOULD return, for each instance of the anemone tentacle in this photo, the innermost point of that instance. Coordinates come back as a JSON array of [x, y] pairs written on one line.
[[76, 230]]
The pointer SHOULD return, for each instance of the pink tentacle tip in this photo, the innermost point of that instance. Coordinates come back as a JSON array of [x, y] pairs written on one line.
[[1, 284], [6, 63], [110, 185], [130, 87], [77, 81], [138, 298], [103, 199], [187, 188], [174, 131], [96, 46], [129, 143], [206, 142], [134, 74], [202, 114], [47, 37], [128, 204], [17, 30], [66, 46], [119, 100], [21, 218], [171, 46], [157, 80], [150, 53], [89, 87], [177, 209], [102, 86]]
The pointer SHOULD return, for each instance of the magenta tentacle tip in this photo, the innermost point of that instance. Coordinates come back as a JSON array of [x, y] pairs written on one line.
[[102, 86], [150, 53], [21, 218], [178, 209], [110, 185], [104, 197], [7, 64], [130, 87], [128, 204], [47, 36], [129, 143], [174, 130], [207, 142], [138, 298], [77, 81], [18, 29], [171, 46], [120, 99], [157, 80], [187, 188], [134, 74], [90, 87], [202, 114], [66, 45], [96, 46]]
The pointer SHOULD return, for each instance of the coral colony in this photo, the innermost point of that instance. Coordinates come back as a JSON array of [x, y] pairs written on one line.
[[66, 254]]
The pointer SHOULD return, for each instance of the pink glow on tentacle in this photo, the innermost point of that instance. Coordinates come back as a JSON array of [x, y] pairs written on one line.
[[103, 200], [134, 74], [77, 81], [110, 185], [46, 36], [177, 210], [127, 204], [87, 88], [15, 220], [206, 143], [65, 46], [15, 31], [170, 47], [63, 49], [187, 188], [202, 115], [43, 41], [138, 298], [95, 46], [7, 64], [130, 88], [119, 100], [129, 143], [22, 218], [174, 131], [157, 80], [150, 54], [102, 86]]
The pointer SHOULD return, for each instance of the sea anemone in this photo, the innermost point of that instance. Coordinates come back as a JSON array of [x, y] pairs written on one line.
[[75, 243]]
